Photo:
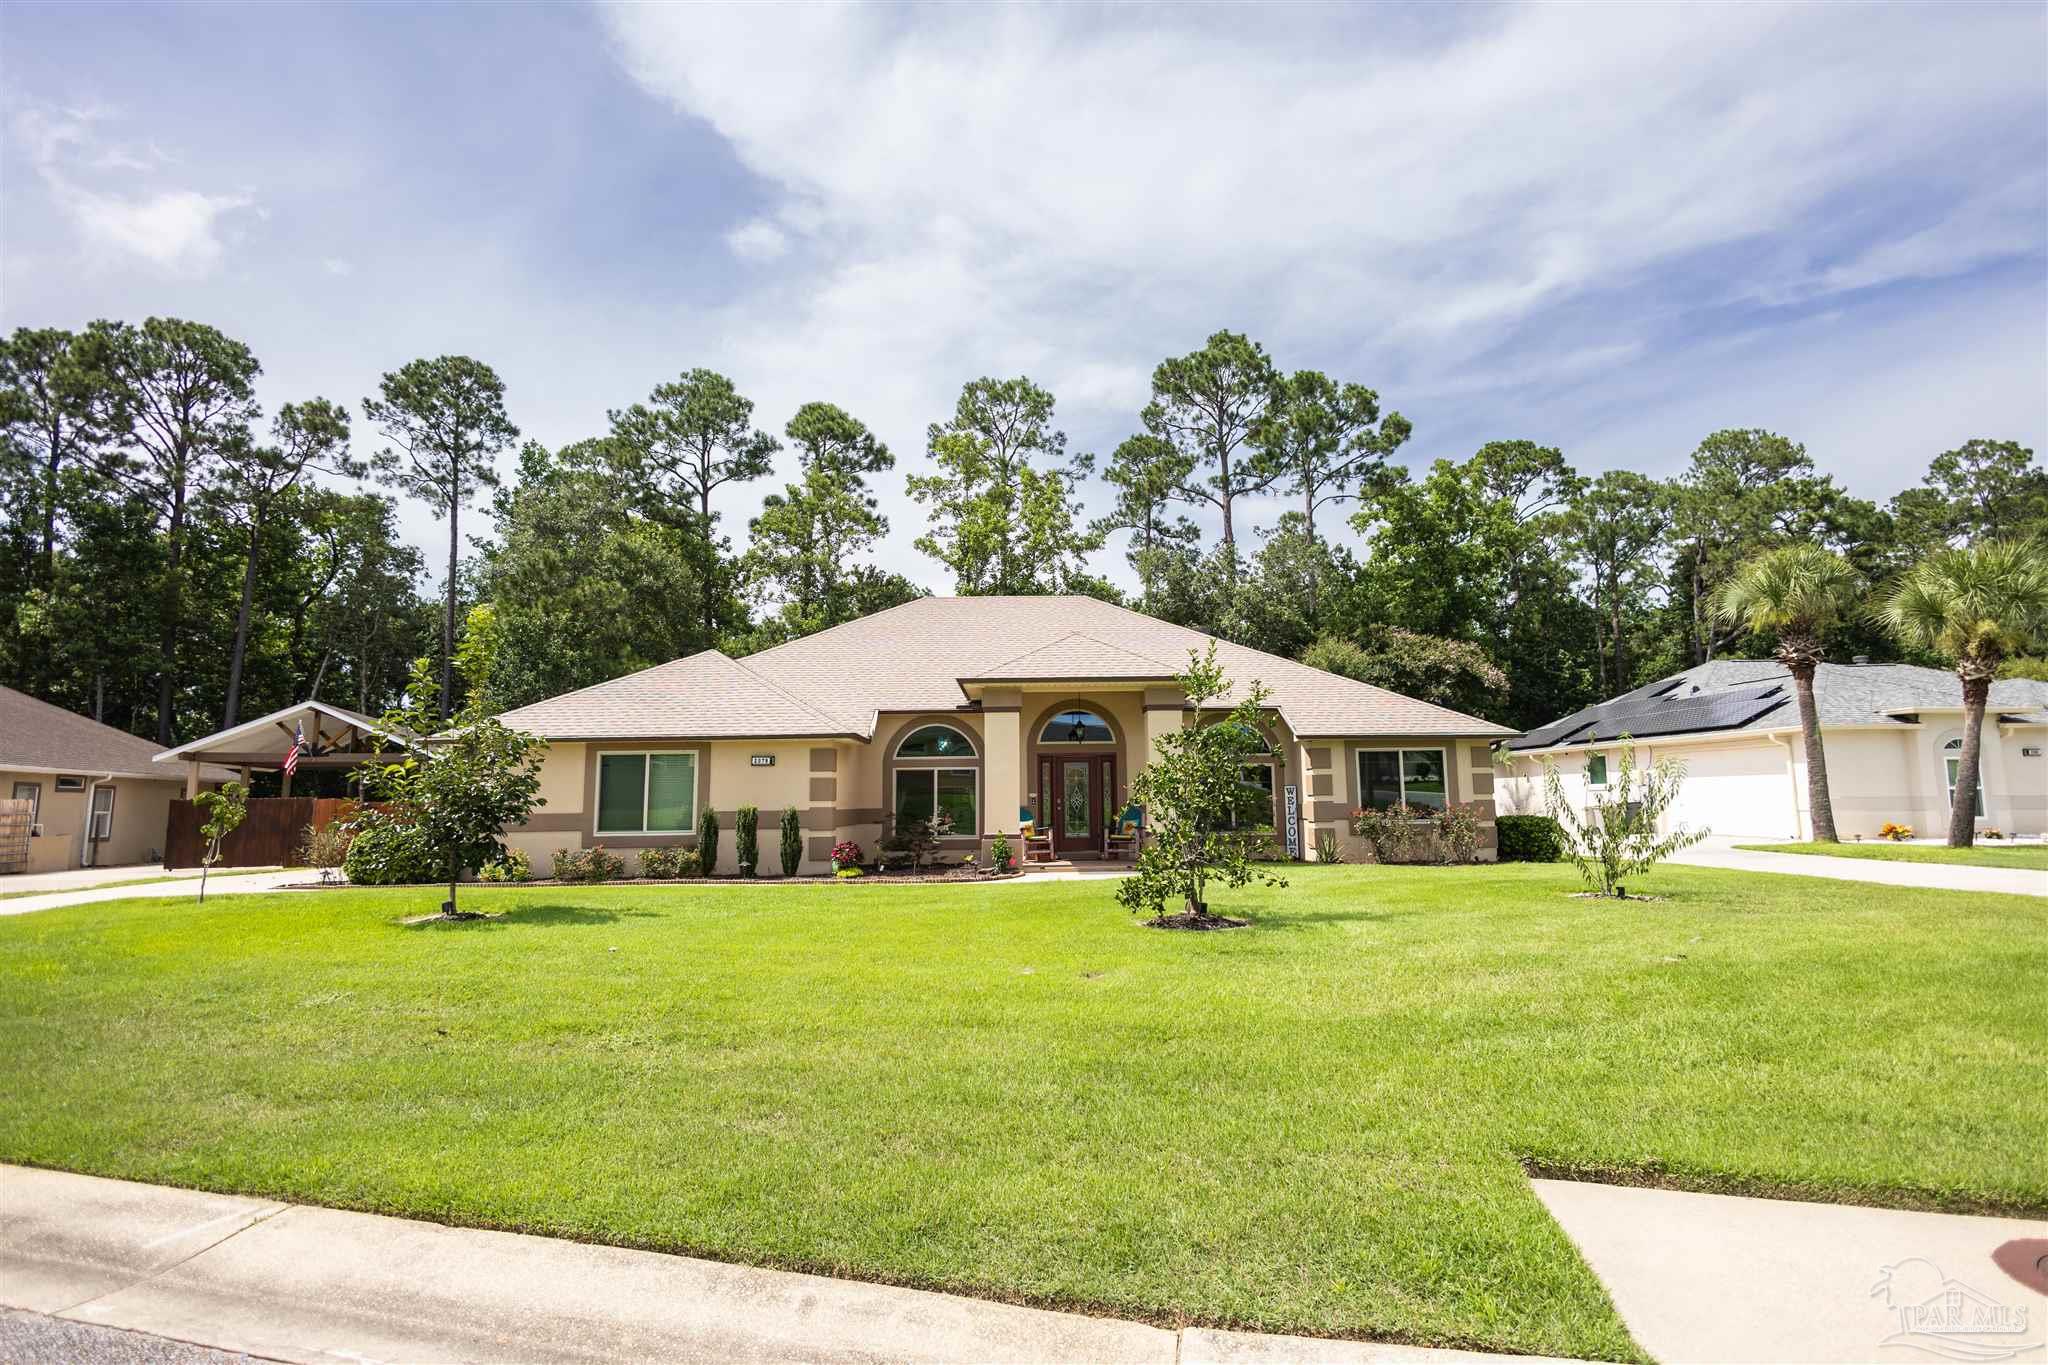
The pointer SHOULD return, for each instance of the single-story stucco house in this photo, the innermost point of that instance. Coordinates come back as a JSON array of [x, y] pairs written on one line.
[[93, 795], [986, 707], [1893, 734]]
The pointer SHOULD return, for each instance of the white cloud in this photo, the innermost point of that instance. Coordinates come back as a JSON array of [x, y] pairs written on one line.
[[335, 265], [176, 231], [759, 240], [1077, 192]]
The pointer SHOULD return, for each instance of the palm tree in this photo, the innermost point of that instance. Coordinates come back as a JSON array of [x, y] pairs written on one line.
[[1978, 607], [1798, 592]]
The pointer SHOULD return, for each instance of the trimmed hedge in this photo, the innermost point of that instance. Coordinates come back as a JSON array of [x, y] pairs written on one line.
[[1529, 839]]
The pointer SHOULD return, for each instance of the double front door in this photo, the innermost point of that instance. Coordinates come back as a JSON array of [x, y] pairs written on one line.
[[1074, 794]]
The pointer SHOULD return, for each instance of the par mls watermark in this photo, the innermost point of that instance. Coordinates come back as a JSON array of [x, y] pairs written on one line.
[[1940, 1315]]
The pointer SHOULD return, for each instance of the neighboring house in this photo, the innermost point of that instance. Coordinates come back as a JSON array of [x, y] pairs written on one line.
[[981, 706], [97, 799], [1893, 734]]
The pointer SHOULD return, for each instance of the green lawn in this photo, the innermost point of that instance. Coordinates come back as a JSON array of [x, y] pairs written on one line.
[[1985, 853], [1312, 1124]]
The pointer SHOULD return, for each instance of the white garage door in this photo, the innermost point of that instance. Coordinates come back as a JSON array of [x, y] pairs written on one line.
[[1740, 790]]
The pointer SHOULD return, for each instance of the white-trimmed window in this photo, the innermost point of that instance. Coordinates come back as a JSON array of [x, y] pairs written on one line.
[[956, 791], [1390, 777], [1596, 770], [68, 783], [647, 792], [1952, 765]]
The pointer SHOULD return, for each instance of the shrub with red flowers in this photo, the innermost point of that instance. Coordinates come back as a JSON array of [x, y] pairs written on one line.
[[845, 853]]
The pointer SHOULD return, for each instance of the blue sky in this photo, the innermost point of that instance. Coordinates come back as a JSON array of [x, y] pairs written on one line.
[[1610, 229]]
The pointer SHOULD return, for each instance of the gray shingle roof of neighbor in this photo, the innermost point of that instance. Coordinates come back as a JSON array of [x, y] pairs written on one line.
[[37, 736], [1756, 694], [915, 657]]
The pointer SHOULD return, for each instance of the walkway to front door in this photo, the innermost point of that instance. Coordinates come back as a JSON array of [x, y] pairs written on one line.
[[1073, 791]]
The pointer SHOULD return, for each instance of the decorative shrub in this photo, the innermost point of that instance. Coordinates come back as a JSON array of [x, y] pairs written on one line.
[[792, 842], [845, 854], [382, 852], [1328, 850], [1897, 833], [592, 864], [1528, 839], [510, 866], [325, 845], [707, 840], [670, 864], [999, 853], [746, 843], [848, 872], [1457, 834], [1391, 832]]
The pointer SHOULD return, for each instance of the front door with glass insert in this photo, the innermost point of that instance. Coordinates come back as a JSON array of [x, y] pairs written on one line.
[[1079, 787]]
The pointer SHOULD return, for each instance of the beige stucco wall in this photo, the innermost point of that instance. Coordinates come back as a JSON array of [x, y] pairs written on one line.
[[1468, 766], [141, 813]]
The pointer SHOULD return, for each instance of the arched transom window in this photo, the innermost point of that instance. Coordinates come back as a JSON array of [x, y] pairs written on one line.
[[935, 741], [1076, 727]]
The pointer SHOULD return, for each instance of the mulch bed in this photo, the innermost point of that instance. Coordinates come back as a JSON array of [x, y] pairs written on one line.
[[1599, 896], [1205, 920]]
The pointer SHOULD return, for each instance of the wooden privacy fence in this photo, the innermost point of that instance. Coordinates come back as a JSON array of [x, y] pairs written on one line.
[[15, 819], [270, 837]]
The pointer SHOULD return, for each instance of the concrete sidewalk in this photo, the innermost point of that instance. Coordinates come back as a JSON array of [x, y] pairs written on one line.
[[1719, 852], [1711, 1277], [292, 1283], [234, 882]]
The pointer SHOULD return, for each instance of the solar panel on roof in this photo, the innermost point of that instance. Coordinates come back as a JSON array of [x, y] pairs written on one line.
[[1658, 711]]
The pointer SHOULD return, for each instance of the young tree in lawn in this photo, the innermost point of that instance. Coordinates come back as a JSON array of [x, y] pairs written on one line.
[[1326, 439], [1799, 593], [305, 437], [1613, 835], [445, 419], [1003, 523], [462, 789], [1976, 607], [1211, 407], [180, 393], [1191, 786], [225, 810], [691, 438]]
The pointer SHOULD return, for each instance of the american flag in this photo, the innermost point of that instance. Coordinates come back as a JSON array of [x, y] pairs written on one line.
[[291, 757]]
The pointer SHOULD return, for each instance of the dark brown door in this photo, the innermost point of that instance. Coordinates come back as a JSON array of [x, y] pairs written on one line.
[[1081, 786]]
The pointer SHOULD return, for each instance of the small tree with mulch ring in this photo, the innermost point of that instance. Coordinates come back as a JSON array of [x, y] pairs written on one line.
[[1190, 792]]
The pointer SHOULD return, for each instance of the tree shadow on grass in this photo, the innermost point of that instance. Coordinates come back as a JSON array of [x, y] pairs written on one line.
[[1307, 919], [535, 916]]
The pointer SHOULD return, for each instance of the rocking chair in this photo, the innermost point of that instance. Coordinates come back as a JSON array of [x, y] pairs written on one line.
[[1037, 843], [1122, 839]]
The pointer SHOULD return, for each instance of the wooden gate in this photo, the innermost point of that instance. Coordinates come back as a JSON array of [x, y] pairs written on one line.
[[15, 819], [270, 837]]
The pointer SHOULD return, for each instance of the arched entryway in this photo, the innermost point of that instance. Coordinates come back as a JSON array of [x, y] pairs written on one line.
[[1078, 774]]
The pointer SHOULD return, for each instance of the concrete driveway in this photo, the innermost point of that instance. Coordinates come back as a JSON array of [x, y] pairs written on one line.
[[1720, 852]]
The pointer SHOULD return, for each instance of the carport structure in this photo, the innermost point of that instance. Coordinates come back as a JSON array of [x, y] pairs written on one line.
[[335, 737]]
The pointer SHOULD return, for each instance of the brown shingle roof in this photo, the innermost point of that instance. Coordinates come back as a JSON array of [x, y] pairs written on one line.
[[914, 658], [36, 735]]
